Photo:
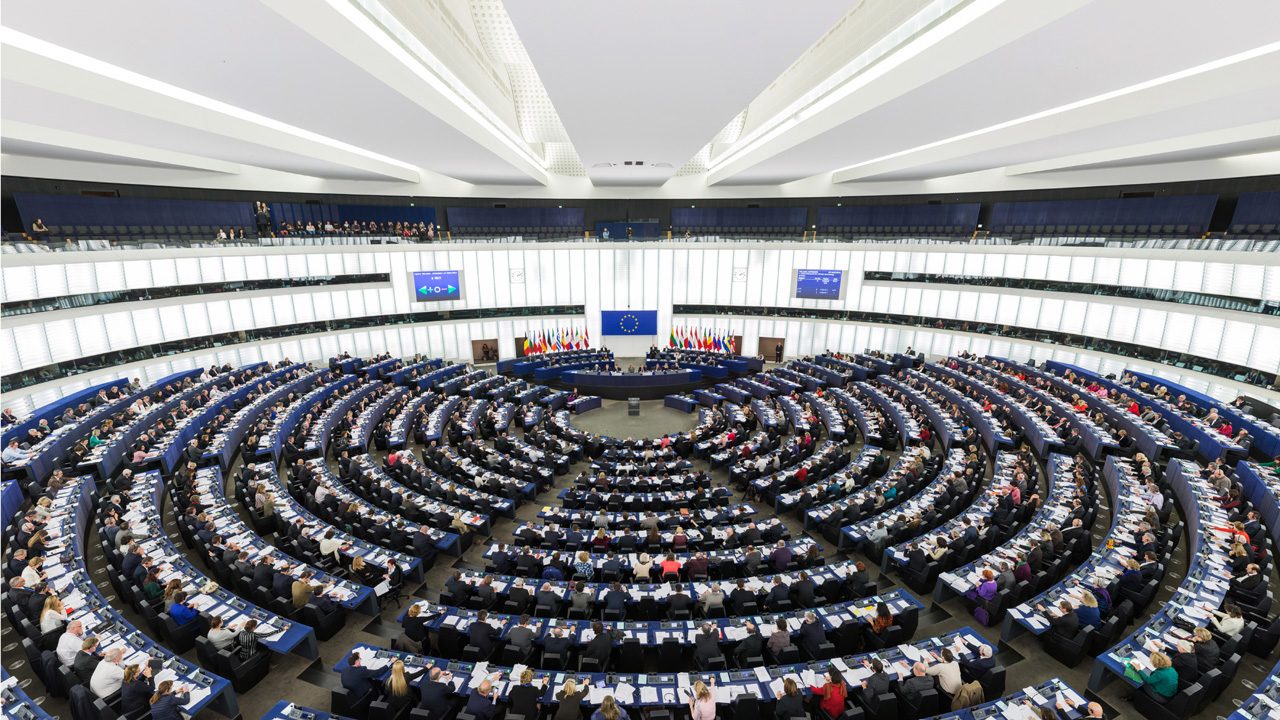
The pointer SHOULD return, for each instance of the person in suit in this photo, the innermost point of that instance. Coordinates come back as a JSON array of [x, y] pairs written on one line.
[[878, 683], [556, 643], [805, 590], [917, 559], [750, 646], [740, 597], [135, 693], [1248, 584], [580, 599], [482, 704], [481, 634], [780, 558], [679, 601], [790, 704], [616, 599], [916, 683], [706, 645], [523, 699], [87, 659], [521, 636], [971, 670], [779, 594], [357, 679], [600, 647], [1063, 624], [436, 691], [167, 702], [1207, 651], [812, 636]]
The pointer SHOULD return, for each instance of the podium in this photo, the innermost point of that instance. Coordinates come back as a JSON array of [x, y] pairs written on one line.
[[633, 406]]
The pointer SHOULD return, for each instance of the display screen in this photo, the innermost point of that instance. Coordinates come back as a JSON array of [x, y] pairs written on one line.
[[818, 284], [436, 285]]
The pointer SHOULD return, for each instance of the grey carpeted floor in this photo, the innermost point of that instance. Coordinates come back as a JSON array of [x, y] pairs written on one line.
[[308, 682]]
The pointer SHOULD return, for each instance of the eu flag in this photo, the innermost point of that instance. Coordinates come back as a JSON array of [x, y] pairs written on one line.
[[629, 322]]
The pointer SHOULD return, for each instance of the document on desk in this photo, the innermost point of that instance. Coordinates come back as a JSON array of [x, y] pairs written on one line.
[[762, 674], [648, 695], [198, 696], [596, 695], [625, 693]]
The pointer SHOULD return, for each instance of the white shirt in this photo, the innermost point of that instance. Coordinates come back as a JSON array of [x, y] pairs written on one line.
[[68, 646], [30, 576], [330, 546], [52, 620], [12, 454], [107, 679]]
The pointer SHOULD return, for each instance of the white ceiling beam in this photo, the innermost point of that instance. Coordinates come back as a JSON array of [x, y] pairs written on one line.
[[348, 31], [1243, 72], [1154, 149], [42, 64], [970, 33], [26, 132]]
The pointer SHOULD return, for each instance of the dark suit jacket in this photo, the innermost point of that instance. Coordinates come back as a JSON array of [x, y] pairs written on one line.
[[481, 635], [358, 680], [435, 695]]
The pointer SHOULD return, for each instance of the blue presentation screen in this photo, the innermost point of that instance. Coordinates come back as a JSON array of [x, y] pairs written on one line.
[[818, 284], [437, 285], [628, 322]]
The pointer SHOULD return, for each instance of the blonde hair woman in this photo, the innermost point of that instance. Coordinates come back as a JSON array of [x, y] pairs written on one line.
[[570, 698], [397, 692], [1161, 682], [52, 616], [702, 706]]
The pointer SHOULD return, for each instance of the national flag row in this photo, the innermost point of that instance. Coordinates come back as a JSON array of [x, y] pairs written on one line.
[[556, 340], [700, 338]]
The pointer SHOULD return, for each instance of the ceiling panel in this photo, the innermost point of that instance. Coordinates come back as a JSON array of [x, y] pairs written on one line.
[[1101, 47], [654, 80]]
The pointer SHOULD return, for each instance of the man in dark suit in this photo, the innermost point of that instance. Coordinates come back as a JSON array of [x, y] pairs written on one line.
[[878, 683], [501, 560], [751, 646], [616, 599], [917, 560], [1064, 624], [741, 596], [1247, 584], [600, 647], [976, 669], [811, 635], [706, 645], [436, 691], [282, 584], [1148, 566], [915, 684], [556, 643], [548, 598], [778, 595], [805, 590], [679, 601], [423, 545], [780, 558], [481, 634], [357, 679]]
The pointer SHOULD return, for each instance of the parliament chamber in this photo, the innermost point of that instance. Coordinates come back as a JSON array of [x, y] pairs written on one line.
[[455, 360]]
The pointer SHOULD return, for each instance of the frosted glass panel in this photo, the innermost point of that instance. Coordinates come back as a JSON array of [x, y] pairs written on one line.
[[92, 335], [1150, 327], [1177, 331], [1207, 336], [33, 349], [62, 340]]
